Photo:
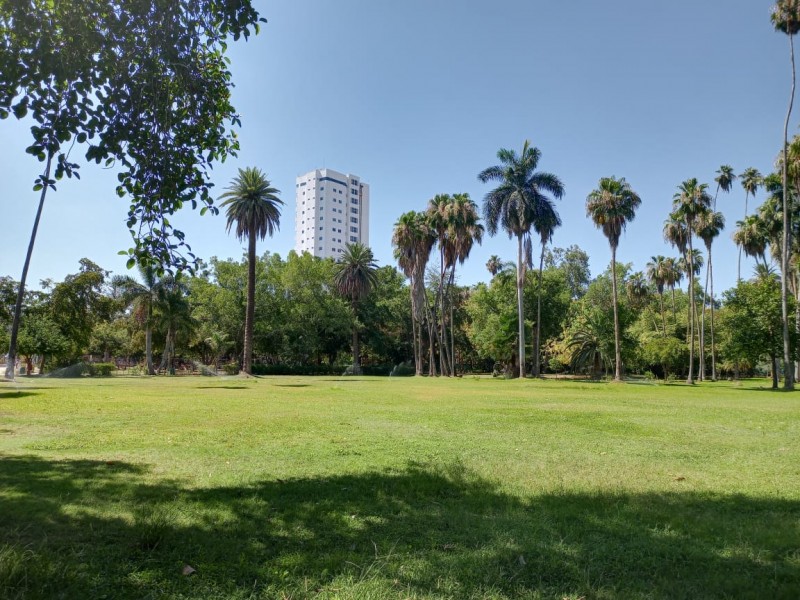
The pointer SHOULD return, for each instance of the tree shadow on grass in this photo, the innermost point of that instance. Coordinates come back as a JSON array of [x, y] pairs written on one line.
[[17, 394], [94, 529]]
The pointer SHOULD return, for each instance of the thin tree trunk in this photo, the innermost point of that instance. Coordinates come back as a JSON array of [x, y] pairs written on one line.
[[774, 363], [617, 352], [690, 379], [788, 367], [452, 323], [537, 341], [148, 337], [356, 349], [414, 340], [663, 318], [247, 358], [797, 324], [12, 350], [703, 318], [713, 347], [739, 263], [674, 312], [520, 307]]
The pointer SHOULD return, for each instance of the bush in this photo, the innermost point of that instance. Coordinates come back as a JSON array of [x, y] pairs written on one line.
[[321, 369], [405, 369], [233, 369], [101, 369]]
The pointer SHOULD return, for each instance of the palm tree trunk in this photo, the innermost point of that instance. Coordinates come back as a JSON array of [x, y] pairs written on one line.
[[713, 347], [703, 318], [739, 263], [148, 349], [414, 340], [663, 318], [617, 352], [774, 362], [356, 349], [788, 367], [674, 312], [452, 322], [247, 358], [690, 379], [520, 307], [12, 350], [537, 340]]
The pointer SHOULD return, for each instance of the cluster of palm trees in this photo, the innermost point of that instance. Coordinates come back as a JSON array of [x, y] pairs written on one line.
[[157, 302], [450, 223]]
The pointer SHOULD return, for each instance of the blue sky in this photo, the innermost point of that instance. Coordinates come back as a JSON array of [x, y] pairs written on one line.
[[418, 98]]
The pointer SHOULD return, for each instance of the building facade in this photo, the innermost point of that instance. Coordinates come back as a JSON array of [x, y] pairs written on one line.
[[332, 209]]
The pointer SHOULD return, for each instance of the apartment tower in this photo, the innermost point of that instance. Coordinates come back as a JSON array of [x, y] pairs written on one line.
[[332, 210]]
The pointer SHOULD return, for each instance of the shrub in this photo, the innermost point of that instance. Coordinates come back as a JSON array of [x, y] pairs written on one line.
[[100, 369], [405, 369], [233, 369]]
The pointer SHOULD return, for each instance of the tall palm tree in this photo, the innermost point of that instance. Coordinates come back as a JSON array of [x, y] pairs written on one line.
[[142, 296], [439, 217], [752, 238], [657, 274], [516, 204], [786, 19], [611, 206], [413, 241], [545, 226], [637, 290], [464, 231], [708, 229], [725, 178], [673, 275], [494, 265], [751, 181], [354, 278], [253, 205], [689, 203]]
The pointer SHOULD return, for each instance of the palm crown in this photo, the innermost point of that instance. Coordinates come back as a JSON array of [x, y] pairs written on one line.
[[252, 204], [611, 206]]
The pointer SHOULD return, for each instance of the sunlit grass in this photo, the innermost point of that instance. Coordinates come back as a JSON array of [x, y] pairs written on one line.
[[397, 488]]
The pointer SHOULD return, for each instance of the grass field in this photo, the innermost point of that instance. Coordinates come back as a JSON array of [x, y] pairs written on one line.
[[397, 488]]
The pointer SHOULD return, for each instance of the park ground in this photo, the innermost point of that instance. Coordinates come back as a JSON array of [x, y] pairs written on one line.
[[213, 487]]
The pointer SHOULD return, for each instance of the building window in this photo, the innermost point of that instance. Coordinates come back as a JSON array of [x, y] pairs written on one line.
[[353, 238], [354, 200], [354, 210], [353, 229], [354, 219], [354, 191], [354, 181]]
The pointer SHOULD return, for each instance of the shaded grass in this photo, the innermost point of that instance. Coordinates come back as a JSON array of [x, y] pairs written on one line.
[[398, 489]]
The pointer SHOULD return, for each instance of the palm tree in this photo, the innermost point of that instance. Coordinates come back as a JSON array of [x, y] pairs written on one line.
[[657, 274], [708, 229], [637, 290], [142, 296], [439, 217], [673, 275], [689, 203], [725, 178], [253, 204], [516, 204], [464, 231], [172, 315], [751, 237], [544, 226], [413, 241], [354, 278], [494, 265], [751, 181], [611, 206], [786, 19]]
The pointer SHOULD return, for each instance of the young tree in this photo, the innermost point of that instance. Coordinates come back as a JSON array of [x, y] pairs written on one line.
[[657, 275], [516, 204], [253, 205], [142, 297], [611, 207], [354, 278]]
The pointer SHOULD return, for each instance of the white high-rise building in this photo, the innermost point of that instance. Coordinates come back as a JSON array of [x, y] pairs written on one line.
[[332, 210]]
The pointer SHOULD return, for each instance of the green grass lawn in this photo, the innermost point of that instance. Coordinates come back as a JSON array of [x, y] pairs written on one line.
[[397, 488]]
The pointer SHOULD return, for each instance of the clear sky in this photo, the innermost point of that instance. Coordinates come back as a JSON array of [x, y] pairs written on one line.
[[416, 97]]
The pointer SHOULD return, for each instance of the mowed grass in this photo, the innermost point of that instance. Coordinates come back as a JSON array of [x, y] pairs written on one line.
[[397, 488]]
